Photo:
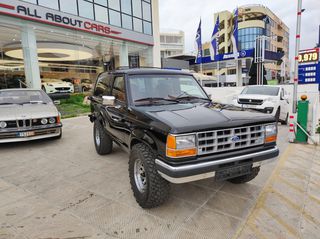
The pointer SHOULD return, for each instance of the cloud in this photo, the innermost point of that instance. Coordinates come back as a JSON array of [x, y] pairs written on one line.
[[185, 15]]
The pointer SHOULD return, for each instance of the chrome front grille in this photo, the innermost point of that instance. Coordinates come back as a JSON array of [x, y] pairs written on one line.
[[230, 139]]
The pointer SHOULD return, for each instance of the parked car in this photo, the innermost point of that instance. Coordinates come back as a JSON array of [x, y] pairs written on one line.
[[267, 99], [51, 86], [174, 133], [27, 114], [86, 85]]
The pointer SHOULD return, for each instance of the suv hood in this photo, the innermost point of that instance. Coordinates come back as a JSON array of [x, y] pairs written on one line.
[[185, 118], [27, 111]]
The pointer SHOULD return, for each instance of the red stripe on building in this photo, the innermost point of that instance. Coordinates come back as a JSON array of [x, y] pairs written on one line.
[[291, 130], [299, 13], [291, 117], [7, 6], [297, 36]]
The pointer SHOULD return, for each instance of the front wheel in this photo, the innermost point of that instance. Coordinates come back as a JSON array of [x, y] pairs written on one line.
[[277, 115], [149, 188], [245, 178], [285, 122], [102, 140]]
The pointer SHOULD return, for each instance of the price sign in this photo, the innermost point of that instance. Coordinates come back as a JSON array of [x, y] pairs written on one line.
[[309, 56]]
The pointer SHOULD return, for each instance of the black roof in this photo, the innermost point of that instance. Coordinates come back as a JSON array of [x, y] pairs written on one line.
[[150, 71]]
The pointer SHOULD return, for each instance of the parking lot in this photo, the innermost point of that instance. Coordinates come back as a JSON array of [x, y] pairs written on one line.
[[63, 189]]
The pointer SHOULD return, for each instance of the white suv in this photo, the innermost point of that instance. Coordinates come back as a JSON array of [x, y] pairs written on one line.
[[267, 99]]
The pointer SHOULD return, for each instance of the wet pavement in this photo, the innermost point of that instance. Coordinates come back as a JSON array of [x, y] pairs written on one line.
[[63, 189]]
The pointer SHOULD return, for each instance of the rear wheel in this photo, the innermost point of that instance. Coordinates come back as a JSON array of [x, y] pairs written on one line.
[[149, 188], [245, 178], [102, 140]]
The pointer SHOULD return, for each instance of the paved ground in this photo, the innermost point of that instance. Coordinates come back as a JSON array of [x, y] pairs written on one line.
[[63, 189]]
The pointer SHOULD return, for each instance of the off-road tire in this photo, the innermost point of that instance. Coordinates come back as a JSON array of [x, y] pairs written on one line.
[[105, 145], [157, 189], [285, 122], [245, 178], [277, 115]]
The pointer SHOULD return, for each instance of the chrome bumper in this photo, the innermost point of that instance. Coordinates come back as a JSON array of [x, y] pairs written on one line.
[[198, 171]]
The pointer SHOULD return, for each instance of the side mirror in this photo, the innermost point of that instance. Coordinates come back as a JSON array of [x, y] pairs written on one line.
[[285, 97], [108, 100]]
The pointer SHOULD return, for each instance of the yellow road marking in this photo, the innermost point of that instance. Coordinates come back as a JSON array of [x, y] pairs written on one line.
[[276, 217], [291, 185], [257, 232], [298, 175], [287, 200], [317, 200], [262, 196]]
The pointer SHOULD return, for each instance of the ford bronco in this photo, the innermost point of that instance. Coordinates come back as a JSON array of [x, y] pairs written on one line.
[[174, 133]]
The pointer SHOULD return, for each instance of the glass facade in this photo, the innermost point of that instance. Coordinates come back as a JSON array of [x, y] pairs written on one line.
[[135, 15], [247, 37]]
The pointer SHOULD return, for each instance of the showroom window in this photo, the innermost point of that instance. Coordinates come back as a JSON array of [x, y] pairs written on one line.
[[85, 9], [69, 6], [136, 6], [146, 11], [54, 4], [114, 4], [101, 2], [147, 29], [101, 14], [114, 18], [137, 24], [126, 6], [126, 21]]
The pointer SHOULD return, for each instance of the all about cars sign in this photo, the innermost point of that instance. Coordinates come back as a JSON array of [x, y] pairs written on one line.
[[40, 14]]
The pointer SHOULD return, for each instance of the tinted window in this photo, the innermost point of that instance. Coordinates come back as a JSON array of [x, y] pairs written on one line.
[[85, 9], [118, 90], [261, 90], [103, 85], [69, 6], [49, 3]]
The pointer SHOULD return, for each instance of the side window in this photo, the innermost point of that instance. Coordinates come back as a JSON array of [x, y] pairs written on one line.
[[282, 93], [118, 90], [103, 85]]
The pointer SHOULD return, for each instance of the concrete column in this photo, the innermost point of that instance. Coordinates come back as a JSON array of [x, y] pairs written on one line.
[[30, 57], [156, 61], [124, 55], [239, 72]]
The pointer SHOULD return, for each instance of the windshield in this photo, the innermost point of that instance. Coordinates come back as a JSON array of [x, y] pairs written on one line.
[[166, 87], [261, 90], [23, 97]]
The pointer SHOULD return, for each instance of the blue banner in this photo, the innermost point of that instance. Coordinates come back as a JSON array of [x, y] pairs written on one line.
[[234, 37], [199, 45], [214, 46]]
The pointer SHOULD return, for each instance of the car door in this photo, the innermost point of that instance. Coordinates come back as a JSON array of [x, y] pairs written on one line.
[[118, 113]]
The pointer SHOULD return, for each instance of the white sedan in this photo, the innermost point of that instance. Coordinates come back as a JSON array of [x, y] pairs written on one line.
[[267, 99], [51, 86], [27, 114]]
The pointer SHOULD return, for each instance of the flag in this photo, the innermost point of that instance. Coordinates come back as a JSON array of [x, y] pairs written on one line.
[[214, 46], [234, 37], [198, 43]]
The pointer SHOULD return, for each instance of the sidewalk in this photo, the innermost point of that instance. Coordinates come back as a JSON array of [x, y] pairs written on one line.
[[289, 204]]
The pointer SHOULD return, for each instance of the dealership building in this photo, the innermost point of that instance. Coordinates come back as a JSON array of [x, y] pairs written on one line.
[[65, 39]]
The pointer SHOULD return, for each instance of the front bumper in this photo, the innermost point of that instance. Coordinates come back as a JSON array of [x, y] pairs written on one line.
[[21, 135], [198, 171]]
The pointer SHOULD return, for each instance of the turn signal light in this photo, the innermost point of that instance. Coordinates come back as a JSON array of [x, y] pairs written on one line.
[[272, 138], [179, 153], [58, 119]]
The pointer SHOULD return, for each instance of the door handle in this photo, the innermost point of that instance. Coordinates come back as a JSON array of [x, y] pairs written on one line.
[[116, 118]]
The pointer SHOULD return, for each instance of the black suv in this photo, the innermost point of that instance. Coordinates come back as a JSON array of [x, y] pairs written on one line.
[[175, 133]]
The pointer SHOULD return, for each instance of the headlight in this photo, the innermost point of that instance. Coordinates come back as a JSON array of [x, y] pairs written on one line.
[[181, 146], [270, 133], [270, 99], [44, 121], [52, 120], [3, 124], [50, 85]]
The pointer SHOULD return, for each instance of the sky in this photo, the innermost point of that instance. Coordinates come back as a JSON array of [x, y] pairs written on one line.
[[185, 15]]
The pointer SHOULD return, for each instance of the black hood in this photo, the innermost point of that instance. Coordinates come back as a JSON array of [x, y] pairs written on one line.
[[185, 118]]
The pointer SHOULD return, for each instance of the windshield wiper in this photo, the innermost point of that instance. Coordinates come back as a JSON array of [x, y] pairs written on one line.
[[155, 99], [191, 97]]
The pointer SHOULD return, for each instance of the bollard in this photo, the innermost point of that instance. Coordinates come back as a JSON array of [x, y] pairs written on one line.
[[302, 119]]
